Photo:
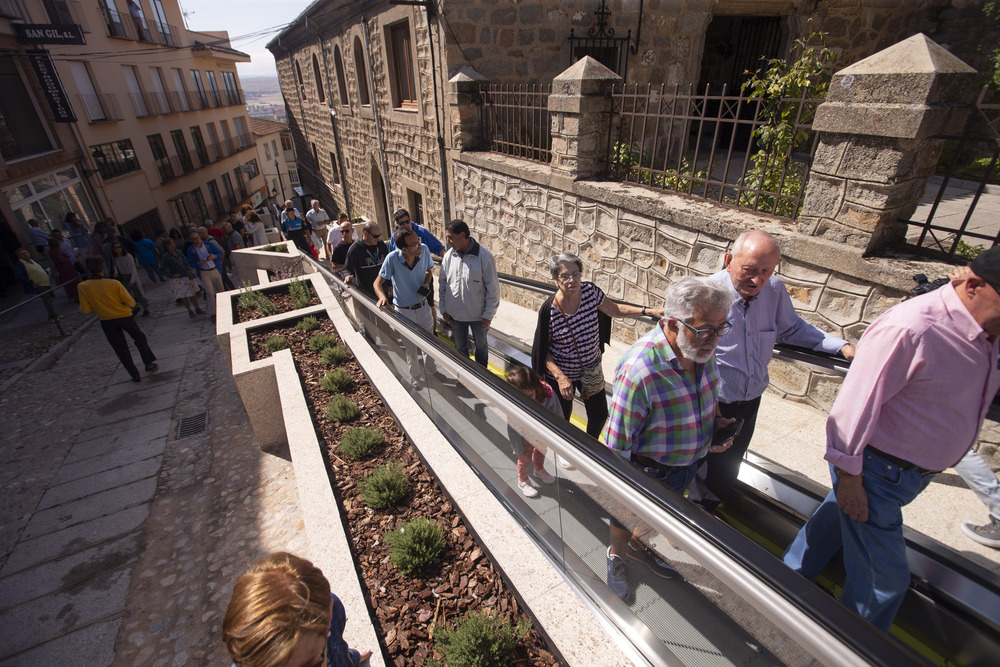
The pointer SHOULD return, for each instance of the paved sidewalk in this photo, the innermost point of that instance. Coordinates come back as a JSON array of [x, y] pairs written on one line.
[[120, 541]]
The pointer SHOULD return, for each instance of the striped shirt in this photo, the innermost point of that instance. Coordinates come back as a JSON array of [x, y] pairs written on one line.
[[656, 411], [583, 326]]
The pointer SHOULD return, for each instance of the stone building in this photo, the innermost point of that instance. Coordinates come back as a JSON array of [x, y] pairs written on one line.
[[153, 129]]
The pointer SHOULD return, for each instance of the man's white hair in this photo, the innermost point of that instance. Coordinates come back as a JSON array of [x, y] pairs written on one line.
[[691, 292]]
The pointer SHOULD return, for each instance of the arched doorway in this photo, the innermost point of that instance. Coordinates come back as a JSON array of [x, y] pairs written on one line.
[[379, 194]]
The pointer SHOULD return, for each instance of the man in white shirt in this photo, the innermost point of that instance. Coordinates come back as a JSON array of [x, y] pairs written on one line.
[[317, 219]]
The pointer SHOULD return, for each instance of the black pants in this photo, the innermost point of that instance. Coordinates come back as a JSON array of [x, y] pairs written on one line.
[[717, 473], [115, 330], [596, 406]]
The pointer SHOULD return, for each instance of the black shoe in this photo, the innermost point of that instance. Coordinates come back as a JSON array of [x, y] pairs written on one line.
[[657, 565], [136, 379], [146, 313], [152, 367]]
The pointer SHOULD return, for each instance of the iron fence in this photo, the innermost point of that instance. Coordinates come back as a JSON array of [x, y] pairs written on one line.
[[516, 120], [959, 213], [706, 145]]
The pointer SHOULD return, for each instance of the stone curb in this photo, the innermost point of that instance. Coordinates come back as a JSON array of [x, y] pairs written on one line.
[[49, 358]]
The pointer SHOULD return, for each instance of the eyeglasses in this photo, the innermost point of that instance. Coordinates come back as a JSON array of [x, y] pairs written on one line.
[[705, 334], [566, 277], [375, 236]]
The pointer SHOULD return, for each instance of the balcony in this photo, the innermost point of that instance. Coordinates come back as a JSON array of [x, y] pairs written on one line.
[[175, 166], [137, 29], [11, 9], [102, 107]]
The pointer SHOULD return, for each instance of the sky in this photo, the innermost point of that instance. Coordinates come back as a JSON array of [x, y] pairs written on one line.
[[245, 20]]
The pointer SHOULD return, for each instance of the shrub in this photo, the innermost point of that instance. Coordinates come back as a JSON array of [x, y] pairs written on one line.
[[308, 324], [275, 343], [342, 409], [336, 381], [360, 443], [385, 486], [281, 247], [337, 354], [321, 341], [415, 545], [300, 292], [251, 300], [485, 639]]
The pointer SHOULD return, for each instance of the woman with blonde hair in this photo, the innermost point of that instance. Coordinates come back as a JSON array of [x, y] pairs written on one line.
[[282, 613]]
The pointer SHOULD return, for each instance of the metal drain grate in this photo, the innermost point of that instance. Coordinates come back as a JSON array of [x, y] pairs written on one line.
[[193, 425]]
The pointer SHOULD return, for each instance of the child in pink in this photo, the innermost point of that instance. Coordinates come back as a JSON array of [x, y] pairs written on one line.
[[527, 381]]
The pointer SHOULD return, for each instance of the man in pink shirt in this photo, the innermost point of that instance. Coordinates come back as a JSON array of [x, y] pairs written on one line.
[[912, 405]]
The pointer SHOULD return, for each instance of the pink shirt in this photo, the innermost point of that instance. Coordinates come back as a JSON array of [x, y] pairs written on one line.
[[919, 388]]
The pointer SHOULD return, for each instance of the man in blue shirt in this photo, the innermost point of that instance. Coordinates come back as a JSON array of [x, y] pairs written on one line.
[[404, 223], [409, 268], [761, 315]]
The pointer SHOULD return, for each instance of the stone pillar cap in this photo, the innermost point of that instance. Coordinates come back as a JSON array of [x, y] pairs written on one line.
[[584, 77], [466, 74]]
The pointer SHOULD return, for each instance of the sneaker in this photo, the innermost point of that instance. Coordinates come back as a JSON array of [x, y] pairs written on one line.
[[617, 575], [527, 489], [566, 465], [657, 565], [152, 367], [988, 534], [543, 476]]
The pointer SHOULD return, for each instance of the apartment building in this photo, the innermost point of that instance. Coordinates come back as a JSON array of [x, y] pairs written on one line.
[[147, 124], [277, 159]]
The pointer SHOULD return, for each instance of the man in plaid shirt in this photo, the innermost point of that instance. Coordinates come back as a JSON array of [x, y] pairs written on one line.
[[663, 413]]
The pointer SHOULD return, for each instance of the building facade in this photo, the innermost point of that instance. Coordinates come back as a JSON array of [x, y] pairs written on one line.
[[276, 157], [154, 132]]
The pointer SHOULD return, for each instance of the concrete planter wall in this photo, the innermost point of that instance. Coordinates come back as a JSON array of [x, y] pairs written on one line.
[[248, 260], [256, 381]]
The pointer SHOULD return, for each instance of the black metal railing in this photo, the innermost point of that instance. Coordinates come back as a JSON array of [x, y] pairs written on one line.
[[705, 145], [516, 120], [950, 223]]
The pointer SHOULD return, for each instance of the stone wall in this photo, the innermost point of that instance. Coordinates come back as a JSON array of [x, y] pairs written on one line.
[[528, 40]]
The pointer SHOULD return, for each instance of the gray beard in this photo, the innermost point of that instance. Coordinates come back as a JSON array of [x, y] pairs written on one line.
[[692, 352]]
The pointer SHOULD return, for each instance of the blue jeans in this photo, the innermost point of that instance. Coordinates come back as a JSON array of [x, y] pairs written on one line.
[[153, 271], [675, 478], [878, 573], [460, 332]]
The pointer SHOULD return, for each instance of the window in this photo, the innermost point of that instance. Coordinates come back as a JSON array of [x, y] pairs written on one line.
[[115, 158], [179, 211], [138, 20], [227, 140], [213, 192], [135, 92], [338, 63], [253, 171], [286, 141], [334, 169], [58, 11], [293, 177], [315, 157], [242, 134], [47, 199], [274, 147], [214, 87], [88, 94], [227, 185], [415, 204], [213, 139], [112, 19], [319, 80], [362, 73], [199, 145], [22, 132], [302, 83], [240, 185], [199, 89], [232, 90], [159, 91], [401, 79], [267, 151], [160, 157], [199, 205], [182, 100], [160, 22], [180, 145]]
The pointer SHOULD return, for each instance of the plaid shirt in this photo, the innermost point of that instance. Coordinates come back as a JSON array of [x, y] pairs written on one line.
[[656, 412]]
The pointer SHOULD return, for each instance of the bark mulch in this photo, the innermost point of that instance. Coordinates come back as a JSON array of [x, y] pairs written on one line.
[[462, 581], [281, 299]]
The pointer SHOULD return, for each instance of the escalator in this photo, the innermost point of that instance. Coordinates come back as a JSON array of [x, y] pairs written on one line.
[[735, 602]]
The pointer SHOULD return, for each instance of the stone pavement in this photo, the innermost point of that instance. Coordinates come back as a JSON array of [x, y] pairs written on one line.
[[120, 541]]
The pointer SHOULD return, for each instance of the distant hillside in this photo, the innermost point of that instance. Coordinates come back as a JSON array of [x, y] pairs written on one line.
[[260, 84]]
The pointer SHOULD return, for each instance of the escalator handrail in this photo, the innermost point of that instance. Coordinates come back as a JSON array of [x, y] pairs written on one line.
[[802, 610]]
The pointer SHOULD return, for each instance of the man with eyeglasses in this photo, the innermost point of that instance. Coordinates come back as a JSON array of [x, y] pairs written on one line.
[[403, 222], [761, 314], [664, 407], [911, 406], [365, 258]]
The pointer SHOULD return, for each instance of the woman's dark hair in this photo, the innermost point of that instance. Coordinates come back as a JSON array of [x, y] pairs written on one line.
[[526, 380]]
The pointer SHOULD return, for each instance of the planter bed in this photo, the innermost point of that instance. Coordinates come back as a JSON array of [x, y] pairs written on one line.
[[406, 608], [280, 297]]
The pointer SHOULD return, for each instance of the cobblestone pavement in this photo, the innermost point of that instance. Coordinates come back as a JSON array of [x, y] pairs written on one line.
[[119, 542]]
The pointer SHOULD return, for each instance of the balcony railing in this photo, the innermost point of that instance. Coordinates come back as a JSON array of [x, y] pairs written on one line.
[[234, 98], [101, 107], [10, 9], [138, 29], [243, 141], [175, 166]]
